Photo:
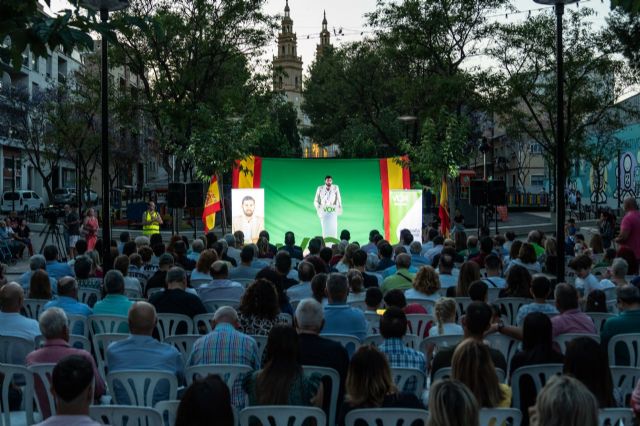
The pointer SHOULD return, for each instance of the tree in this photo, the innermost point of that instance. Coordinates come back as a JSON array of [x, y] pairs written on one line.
[[523, 87], [624, 32]]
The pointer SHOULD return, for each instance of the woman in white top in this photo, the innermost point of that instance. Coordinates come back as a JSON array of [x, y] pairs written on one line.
[[346, 262], [356, 286], [426, 285]]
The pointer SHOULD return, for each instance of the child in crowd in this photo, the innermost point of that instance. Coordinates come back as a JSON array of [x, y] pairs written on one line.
[[540, 290], [585, 280]]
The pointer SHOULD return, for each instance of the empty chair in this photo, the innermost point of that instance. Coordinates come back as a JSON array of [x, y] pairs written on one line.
[[119, 415], [418, 323], [100, 344], [281, 415], [183, 343], [335, 386], [168, 410], [33, 307], [599, 318], [615, 416], [212, 305], [564, 339], [500, 416], [386, 416], [416, 378], [16, 374], [624, 380], [539, 375], [511, 305], [170, 324], [623, 349], [141, 387], [13, 350], [350, 343]]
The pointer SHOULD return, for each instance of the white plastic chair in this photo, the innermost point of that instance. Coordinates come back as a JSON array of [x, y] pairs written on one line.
[[183, 343], [410, 340], [405, 376], [33, 307], [335, 387], [100, 344], [200, 282], [624, 379], [202, 320], [373, 319], [140, 276], [79, 324], [428, 305], [599, 318], [14, 350], [507, 346], [139, 385], [632, 343], [439, 341], [445, 373], [386, 416], [462, 303], [564, 339], [132, 293], [101, 324], [284, 317], [118, 415], [511, 305], [500, 416], [229, 373], [281, 415], [539, 373], [20, 374], [170, 408], [358, 304], [89, 296], [153, 291], [261, 341], [493, 293], [350, 343], [168, 324], [79, 342], [212, 305], [417, 323], [615, 416], [42, 374]]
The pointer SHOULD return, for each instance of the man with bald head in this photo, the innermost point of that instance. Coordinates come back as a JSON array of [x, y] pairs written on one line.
[[226, 345], [630, 227], [11, 322], [140, 351], [403, 278]]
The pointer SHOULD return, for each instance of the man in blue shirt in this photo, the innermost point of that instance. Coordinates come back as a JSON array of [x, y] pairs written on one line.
[[68, 301], [339, 317], [140, 351], [55, 269], [115, 302], [36, 262]]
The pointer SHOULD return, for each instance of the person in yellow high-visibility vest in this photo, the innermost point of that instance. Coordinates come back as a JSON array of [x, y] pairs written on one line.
[[151, 220]]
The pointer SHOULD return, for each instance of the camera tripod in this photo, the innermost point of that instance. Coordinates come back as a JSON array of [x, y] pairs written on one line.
[[52, 231]]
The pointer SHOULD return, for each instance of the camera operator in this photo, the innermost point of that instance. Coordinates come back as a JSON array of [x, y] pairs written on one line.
[[71, 229]]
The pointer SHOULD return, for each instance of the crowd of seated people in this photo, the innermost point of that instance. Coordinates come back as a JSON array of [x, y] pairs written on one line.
[[364, 311]]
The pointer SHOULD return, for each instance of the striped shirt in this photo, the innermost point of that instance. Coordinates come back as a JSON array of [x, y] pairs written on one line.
[[226, 345]]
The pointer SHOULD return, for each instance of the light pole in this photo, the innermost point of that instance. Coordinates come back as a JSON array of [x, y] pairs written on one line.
[[104, 7], [560, 147]]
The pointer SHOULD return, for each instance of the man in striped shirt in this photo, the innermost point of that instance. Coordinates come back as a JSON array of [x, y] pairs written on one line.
[[226, 345]]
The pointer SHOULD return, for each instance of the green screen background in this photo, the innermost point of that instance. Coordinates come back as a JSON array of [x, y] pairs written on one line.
[[290, 187]]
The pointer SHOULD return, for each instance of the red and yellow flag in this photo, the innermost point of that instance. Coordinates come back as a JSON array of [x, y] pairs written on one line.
[[394, 174], [443, 210], [247, 173], [211, 205]]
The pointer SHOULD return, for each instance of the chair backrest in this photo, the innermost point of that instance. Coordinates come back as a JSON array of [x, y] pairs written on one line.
[[615, 416], [335, 387], [284, 317], [12, 374], [202, 322], [140, 276], [100, 344], [500, 416], [183, 343], [14, 350], [79, 324], [508, 346], [42, 381], [612, 306], [428, 305], [350, 343], [386, 416], [630, 342], [539, 373], [154, 290], [410, 340], [511, 305], [462, 303], [610, 293], [101, 324], [140, 385], [170, 408], [79, 342], [125, 414], [445, 373], [403, 375], [199, 282], [281, 415], [33, 307], [564, 339], [168, 325], [624, 379], [88, 295], [599, 318], [212, 305], [132, 293], [261, 341], [440, 341], [493, 293], [417, 323], [373, 319], [227, 372]]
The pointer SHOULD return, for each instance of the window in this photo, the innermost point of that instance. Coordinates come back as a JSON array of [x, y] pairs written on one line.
[[535, 148], [537, 180], [26, 195]]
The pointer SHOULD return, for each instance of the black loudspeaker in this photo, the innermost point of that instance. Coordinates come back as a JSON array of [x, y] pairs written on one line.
[[497, 193], [195, 195], [175, 196], [478, 192]]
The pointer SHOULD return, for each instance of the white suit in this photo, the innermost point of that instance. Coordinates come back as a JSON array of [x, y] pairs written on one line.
[[328, 205]]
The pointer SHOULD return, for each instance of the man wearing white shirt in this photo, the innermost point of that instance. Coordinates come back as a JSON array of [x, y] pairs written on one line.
[[438, 245], [11, 322]]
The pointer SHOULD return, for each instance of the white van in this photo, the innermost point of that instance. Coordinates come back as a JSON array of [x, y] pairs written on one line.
[[21, 201]]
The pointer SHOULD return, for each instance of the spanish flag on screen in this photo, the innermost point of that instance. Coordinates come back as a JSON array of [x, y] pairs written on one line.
[[443, 209], [211, 205]]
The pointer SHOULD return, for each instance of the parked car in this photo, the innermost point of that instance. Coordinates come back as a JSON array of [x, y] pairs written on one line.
[[21, 201], [64, 196]]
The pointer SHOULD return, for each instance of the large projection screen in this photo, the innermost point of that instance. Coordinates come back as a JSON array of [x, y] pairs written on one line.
[[290, 187]]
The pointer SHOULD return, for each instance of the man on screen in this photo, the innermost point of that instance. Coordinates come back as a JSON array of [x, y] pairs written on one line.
[[329, 206], [249, 223]]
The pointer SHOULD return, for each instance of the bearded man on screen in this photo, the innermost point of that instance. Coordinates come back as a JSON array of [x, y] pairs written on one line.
[[328, 205], [248, 222]]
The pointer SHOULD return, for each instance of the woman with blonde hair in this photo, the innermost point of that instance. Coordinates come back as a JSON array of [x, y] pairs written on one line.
[[473, 366], [469, 272], [356, 286], [346, 262], [369, 384], [452, 404], [445, 314], [426, 285], [564, 401]]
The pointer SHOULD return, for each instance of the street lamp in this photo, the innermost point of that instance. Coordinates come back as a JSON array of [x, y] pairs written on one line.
[[104, 7], [407, 119], [560, 148]]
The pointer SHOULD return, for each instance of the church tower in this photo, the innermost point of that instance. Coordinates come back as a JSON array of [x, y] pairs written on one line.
[[287, 66], [325, 37]]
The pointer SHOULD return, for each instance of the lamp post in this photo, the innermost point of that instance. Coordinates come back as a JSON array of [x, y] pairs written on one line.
[[560, 147], [104, 7]]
